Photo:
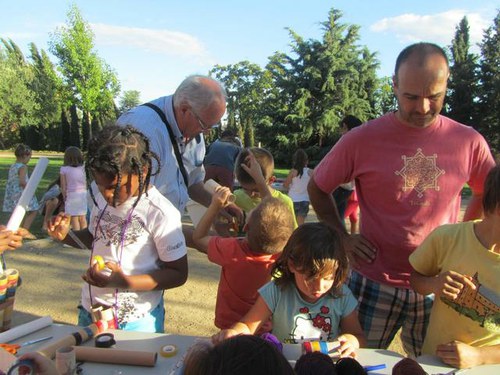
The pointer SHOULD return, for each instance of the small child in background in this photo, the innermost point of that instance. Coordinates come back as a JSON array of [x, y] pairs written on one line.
[[460, 265], [246, 262], [250, 194], [135, 229], [307, 299], [16, 182], [74, 187], [296, 183], [52, 202]]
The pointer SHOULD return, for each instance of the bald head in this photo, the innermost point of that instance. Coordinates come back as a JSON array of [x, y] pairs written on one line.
[[200, 92], [424, 56]]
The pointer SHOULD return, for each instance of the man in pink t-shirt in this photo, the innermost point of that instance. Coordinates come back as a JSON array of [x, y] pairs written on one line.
[[409, 168]]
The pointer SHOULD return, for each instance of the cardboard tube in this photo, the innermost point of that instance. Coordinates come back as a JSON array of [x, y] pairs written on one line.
[[115, 356], [211, 185], [28, 192], [25, 329], [49, 351]]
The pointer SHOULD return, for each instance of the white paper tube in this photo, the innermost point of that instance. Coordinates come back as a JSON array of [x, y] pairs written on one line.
[[28, 193], [25, 329], [211, 185]]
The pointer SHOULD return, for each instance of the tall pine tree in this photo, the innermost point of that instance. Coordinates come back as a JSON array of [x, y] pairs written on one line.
[[463, 77]]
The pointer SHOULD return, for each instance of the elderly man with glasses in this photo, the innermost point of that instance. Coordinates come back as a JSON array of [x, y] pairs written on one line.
[[175, 125]]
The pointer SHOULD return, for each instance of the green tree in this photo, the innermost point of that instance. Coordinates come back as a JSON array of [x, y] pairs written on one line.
[[489, 88], [246, 85], [320, 82], [47, 89], [129, 100], [463, 78], [385, 100], [92, 83], [17, 102]]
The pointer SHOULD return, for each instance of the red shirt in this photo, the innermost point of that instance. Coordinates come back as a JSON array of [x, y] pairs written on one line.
[[243, 273]]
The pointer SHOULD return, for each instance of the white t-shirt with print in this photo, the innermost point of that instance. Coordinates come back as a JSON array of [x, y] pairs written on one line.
[[153, 234]]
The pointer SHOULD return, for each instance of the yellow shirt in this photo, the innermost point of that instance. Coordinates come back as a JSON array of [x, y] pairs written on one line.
[[247, 203], [474, 316]]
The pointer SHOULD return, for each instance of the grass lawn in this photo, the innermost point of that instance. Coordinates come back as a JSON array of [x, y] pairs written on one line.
[[51, 173]]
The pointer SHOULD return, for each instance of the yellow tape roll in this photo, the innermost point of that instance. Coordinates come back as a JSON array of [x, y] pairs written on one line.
[[100, 262], [168, 351]]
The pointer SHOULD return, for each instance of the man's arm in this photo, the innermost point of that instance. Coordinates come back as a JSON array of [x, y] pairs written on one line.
[[474, 209], [324, 206], [460, 355], [198, 193], [326, 209]]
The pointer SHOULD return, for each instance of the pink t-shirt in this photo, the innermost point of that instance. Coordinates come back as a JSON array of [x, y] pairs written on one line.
[[75, 178], [408, 182], [242, 274]]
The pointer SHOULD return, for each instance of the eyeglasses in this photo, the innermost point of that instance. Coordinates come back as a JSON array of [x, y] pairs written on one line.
[[203, 126]]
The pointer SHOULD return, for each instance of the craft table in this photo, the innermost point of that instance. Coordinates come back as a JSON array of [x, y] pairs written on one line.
[[153, 342]]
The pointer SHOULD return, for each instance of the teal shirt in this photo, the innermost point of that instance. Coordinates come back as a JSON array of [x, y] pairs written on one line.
[[295, 320], [247, 203]]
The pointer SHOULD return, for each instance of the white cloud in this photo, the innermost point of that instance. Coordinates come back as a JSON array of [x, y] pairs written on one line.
[[438, 28], [171, 43]]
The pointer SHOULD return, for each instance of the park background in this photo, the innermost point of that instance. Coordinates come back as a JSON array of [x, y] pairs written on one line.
[[51, 99]]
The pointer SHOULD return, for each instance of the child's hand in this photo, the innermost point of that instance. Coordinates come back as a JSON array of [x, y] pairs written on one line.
[[103, 278], [252, 167], [10, 240], [220, 196], [459, 355], [449, 284], [59, 226], [348, 345], [224, 335]]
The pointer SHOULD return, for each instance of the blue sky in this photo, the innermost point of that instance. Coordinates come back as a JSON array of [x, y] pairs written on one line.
[[153, 44]]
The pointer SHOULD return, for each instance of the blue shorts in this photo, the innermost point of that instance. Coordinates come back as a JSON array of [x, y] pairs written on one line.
[[152, 322], [301, 208]]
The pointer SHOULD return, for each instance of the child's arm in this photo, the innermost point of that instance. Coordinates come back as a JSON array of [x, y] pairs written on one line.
[[249, 324], [293, 173], [447, 284], [22, 176], [63, 185], [352, 337], [59, 227], [170, 275], [252, 167], [200, 234], [460, 355]]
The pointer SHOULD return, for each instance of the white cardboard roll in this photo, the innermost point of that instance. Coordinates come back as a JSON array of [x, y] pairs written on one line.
[[211, 185], [25, 329], [29, 191]]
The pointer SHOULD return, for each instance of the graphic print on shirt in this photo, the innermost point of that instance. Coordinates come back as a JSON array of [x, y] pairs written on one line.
[[111, 228], [310, 327], [110, 233], [420, 172], [482, 305]]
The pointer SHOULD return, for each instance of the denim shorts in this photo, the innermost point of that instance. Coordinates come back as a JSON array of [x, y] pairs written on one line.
[[152, 322], [301, 208]]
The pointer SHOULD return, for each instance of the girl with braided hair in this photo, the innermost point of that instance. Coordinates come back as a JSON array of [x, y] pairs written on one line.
[[135, 234]]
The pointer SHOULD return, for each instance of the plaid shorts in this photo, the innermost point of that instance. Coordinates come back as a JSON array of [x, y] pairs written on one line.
[[383, 310]]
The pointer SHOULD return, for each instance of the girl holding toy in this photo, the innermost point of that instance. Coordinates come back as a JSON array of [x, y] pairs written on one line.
[[307, 299], [135, 229], [74, 187]]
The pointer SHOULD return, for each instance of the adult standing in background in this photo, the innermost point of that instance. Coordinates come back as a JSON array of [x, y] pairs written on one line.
[[409, 168], [175, 125], [220, 158]]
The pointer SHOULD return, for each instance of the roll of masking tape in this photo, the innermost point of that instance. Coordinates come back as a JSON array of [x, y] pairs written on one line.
[[100, 262], [168, 351], [26, 363], [105, 340]]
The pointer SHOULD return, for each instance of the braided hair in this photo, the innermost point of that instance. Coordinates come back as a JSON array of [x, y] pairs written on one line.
[[118, 150]]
